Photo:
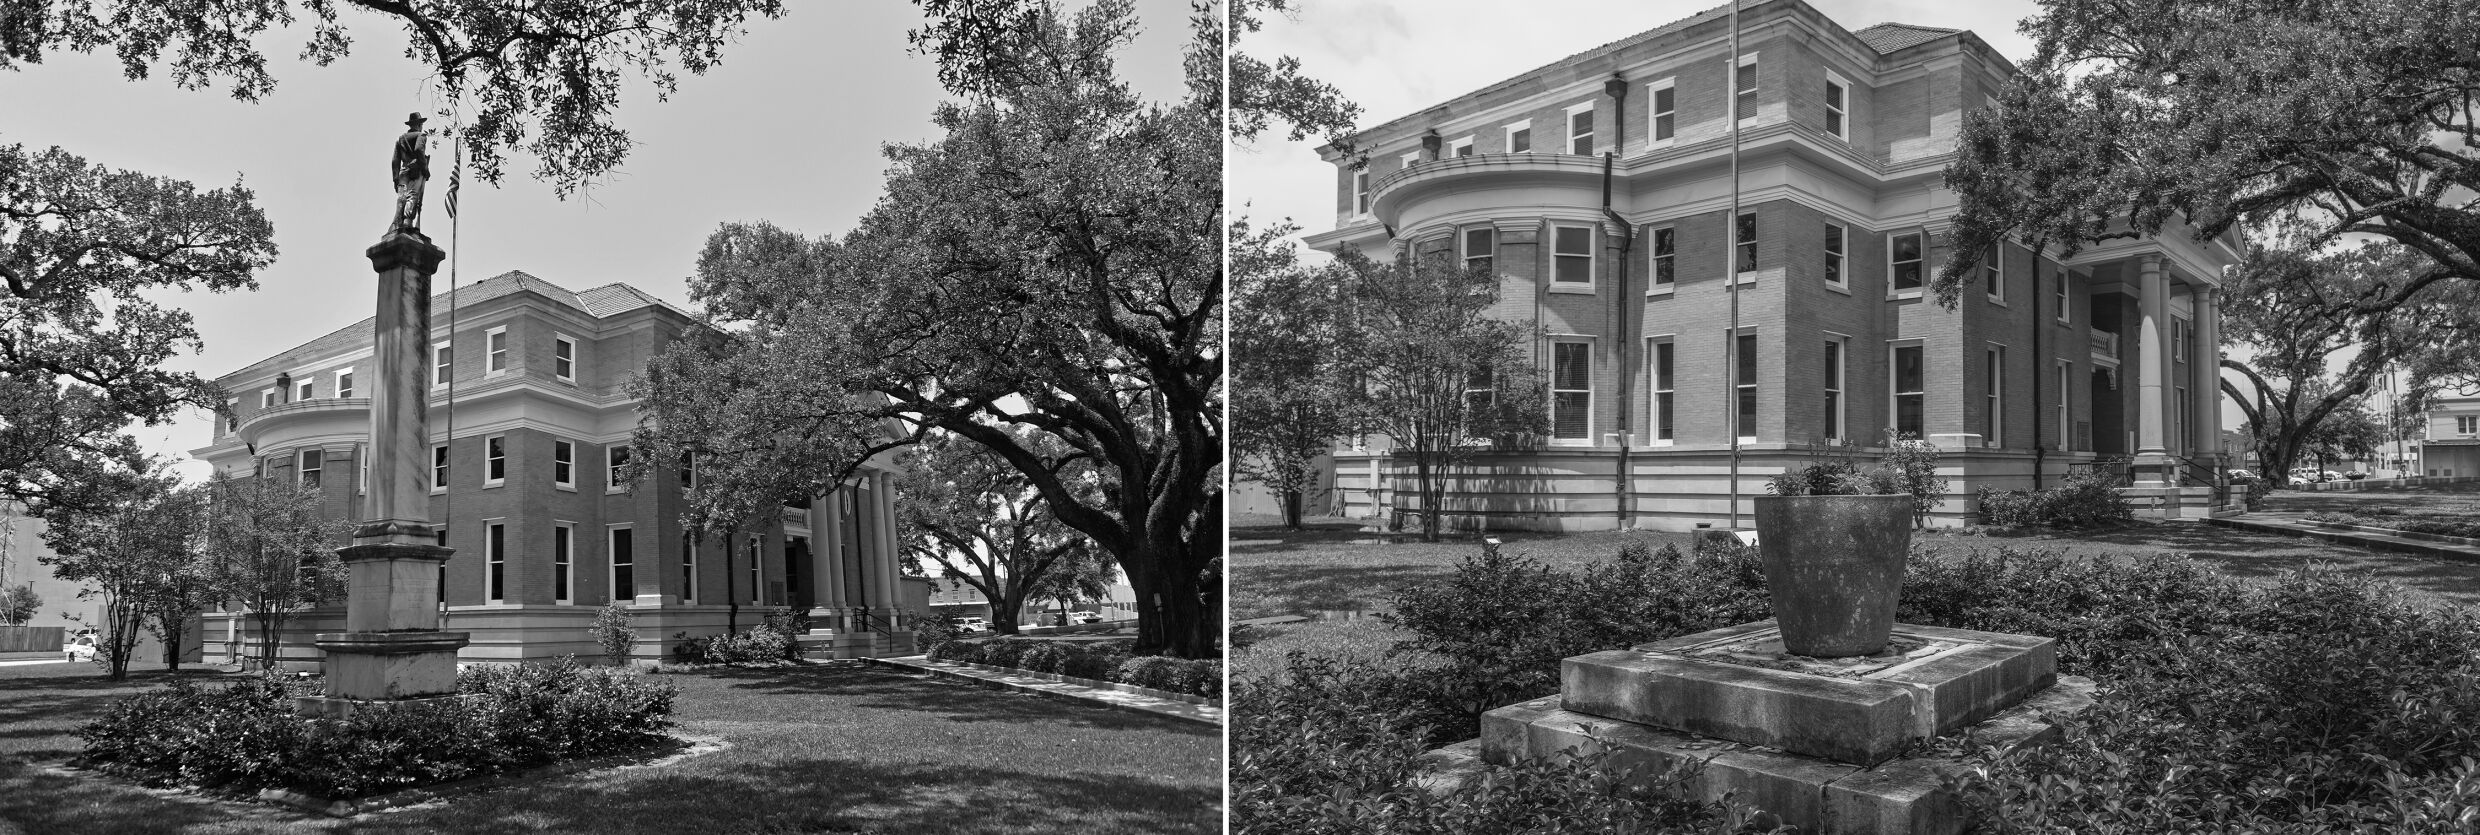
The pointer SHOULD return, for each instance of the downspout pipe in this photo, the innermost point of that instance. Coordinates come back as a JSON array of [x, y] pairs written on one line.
[[1621, 338], [2040, 441]]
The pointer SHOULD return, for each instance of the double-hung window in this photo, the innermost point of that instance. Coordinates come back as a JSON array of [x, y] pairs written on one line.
[[615, 457], [306, 387], [1744, 88], [308, 470], [1903, 261], [564, 465], [1838, 104], [1360, 190], [2467, 424], [442, 364], [495, 461], [1665, 111], [1519, 138], [1909, 390], [1571, 391], [495, 558], [1744, 243], [1461, 147], [1838, 241], [1994, 432], [623, 563], [439, 468], [495, 351], [1580, 129], [1571, 251], [2066, 378], [1993, 273], [344, 383], [1833, 418], [563, 562], [1665, 259], [1480, 243], [2065, 314], [564, 359], [1744, 384], [1664, 386]]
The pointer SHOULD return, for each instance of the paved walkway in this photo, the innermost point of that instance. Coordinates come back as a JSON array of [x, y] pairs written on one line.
[[1117, 699], [2297, 524]]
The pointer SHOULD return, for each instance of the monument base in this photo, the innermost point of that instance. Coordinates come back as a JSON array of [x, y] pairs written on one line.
[[1817, 742], [384, 667]]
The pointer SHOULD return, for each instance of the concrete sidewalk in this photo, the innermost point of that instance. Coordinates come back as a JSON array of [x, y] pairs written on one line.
[[2297, 524], [1116, 699]]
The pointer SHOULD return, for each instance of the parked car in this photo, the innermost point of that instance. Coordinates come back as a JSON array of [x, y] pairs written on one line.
[[80, 648], [1085, 617], [2330, 475], [2242, 476], [972, 624], [2354, 475]]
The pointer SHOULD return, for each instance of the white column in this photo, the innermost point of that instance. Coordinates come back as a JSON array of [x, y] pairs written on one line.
[[886, 556], [826, 530], [2152, 374], [2205, 387]]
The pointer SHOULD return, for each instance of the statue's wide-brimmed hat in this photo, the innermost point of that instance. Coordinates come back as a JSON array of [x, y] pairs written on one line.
[[413, 120]]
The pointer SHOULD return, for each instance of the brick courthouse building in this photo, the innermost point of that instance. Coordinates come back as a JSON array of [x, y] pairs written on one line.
[[525, 488], [1843, 215]]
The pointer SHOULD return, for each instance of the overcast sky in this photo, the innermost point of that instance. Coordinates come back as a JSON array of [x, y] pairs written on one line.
[[788, 129]]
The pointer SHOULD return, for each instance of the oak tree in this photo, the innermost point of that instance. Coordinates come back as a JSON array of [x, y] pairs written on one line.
[[980, 521], [1051, 264]]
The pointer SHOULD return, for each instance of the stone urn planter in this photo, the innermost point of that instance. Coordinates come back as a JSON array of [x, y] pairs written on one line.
[[1834, 565]]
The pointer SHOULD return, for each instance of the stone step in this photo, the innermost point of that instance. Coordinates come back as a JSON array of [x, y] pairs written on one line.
[[1898, 796], [1736, 684]]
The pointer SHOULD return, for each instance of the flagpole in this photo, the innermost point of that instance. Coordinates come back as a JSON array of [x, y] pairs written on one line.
[[447, 515], [1730, 271]]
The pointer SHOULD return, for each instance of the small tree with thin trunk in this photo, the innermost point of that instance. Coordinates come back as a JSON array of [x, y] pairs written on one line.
[[138, 555], [1290, 401], [272, 553], [1084, 574], [18, 604], [1437, 374]]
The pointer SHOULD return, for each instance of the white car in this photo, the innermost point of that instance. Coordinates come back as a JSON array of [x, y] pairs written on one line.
[[972, 624], [1085, 617], [80, 648]]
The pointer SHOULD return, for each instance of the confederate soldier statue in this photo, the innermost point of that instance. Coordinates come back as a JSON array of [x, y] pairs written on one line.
[[410, 168]]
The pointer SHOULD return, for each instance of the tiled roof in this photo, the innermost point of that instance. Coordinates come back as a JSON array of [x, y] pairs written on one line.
[[1888, 37], [599, 302]]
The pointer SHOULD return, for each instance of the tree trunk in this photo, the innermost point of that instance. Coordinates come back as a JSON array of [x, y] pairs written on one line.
[[270, 634], [1291, 509], [1005, 606], [1425, 476], [174, 628], [1172, 619]]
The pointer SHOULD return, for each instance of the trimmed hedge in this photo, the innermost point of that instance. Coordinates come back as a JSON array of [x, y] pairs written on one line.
[[245, 735], [1097, 660], [2082, 500]]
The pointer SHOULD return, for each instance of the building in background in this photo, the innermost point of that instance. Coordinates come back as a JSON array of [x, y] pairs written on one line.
[[2451, 448], [524, 459], [2103, 359]]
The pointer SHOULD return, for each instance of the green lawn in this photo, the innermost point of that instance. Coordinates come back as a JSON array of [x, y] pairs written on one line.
[[813, 749], [2444, 499], [1334, 569]]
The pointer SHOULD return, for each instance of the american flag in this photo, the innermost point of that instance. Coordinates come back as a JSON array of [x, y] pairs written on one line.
[[456, 177]]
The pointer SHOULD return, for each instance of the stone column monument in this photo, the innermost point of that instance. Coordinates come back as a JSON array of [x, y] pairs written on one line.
[[392, 649]]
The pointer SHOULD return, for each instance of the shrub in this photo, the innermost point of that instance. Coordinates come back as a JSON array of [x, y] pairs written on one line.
[[1046, 657], [613, 633], [688, 650], [933, 630], [2324, 702], [245, 735], [1322, 751], [966, 652], [1499, 625], [1004, 652], [2082, 500], [789, 625]]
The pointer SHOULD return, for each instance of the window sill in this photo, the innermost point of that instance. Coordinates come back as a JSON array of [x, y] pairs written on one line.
[[493, 485], [1572, 442], [439, 491], [1839, 287], [1572, 289], [609, 491], [1659, 443], [1997, 302], [565, 488], [569, 380], [1903, 295], [1663, 292]]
